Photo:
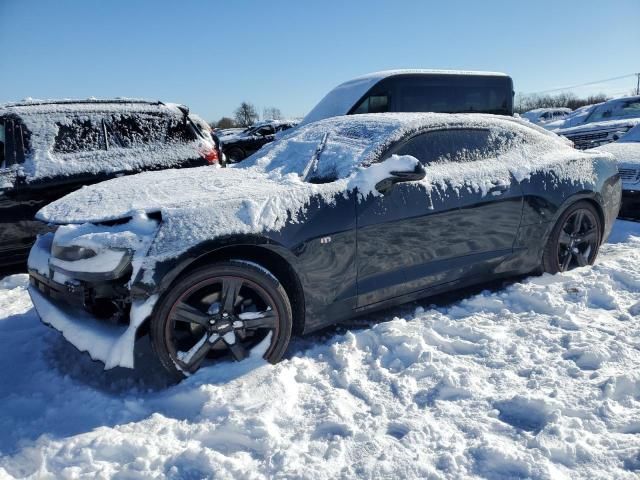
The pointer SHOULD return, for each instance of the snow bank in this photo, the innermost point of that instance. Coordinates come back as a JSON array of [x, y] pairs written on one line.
[[537, 380]]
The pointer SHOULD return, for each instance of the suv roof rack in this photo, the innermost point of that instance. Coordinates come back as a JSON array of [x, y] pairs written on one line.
[[27, 103]]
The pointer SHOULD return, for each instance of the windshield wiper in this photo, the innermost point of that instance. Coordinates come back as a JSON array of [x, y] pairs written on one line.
[[312, 165]]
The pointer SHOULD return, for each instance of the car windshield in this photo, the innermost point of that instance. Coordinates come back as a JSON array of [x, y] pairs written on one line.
[[609, 110], [343, 146]]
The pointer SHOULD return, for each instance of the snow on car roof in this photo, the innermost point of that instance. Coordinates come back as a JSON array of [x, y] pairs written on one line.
[[340, 99]]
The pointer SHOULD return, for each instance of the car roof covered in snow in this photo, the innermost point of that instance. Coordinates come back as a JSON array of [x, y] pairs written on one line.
[[340, 99]]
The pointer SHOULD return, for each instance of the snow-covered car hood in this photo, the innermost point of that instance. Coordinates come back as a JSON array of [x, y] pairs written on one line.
[[624, 152], [608, 125], [169, 190]]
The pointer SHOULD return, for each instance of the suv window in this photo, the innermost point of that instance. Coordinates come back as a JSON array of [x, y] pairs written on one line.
[[78, 136], [373, 104], [454, 145], [14, 142], [2, 145], [134, 130], [180, 131]]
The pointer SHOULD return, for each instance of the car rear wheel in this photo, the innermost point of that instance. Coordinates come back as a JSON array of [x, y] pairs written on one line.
[[235, 155], [575, 239], [226, 311]]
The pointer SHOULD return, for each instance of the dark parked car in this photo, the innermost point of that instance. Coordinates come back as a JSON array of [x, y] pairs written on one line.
[[339, 218], [239, 145], [418, 90], [50, 148]]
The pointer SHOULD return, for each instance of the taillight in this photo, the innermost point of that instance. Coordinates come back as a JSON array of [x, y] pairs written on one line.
[[211, 156]]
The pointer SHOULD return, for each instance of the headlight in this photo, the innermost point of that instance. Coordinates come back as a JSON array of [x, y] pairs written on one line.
[[108, 264], [72, 253]]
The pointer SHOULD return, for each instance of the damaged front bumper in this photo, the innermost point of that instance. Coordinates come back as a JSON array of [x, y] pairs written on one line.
[[71, 306]]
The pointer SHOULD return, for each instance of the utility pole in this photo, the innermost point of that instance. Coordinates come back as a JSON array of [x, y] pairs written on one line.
[[638, 84]]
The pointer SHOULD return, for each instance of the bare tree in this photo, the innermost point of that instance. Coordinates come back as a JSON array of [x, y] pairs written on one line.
[[246, 114], [225, 122], [525, 102], [271, 113]]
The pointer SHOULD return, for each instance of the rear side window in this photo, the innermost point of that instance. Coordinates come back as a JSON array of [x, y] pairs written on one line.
[[79, 135], [180, 131], [455, 145], [134, 130]]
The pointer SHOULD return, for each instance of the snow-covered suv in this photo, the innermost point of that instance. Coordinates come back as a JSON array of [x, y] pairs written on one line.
[[50, 148], [606, 123]]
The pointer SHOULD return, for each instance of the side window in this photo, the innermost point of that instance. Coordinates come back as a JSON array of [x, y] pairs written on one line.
[[129, 131], [454, 145], [180, 131], [373, 104], [80, 135], [266, 130], [14, 142], [3, 162], [629, 109]]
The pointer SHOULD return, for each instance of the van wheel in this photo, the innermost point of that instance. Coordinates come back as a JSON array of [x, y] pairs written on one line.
[[575, 239], [226, 311]]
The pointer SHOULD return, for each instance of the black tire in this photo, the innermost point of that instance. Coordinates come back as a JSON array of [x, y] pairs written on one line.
[[222, 310], [235, 155], [575, 239]]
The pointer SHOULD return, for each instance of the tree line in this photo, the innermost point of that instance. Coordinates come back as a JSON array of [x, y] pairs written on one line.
[[525, 102], [247, 114]]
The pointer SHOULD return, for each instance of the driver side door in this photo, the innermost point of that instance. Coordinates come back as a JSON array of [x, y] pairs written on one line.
[[440, 230]]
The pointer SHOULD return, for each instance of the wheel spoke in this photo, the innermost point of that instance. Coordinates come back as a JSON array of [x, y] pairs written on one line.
[[577, 221], [237, 350], [565, 263], [186, 313], [196, 354], [590, 236], [581, 259], [230, 290], [565, 238], [255, 320]]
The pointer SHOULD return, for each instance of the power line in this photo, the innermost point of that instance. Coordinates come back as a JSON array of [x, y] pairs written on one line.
[[589, 83]]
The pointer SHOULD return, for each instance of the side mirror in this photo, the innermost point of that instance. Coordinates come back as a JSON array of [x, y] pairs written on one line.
[[418, 173]]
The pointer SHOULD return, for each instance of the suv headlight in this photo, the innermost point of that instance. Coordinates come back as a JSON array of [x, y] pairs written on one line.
[[72, 253]]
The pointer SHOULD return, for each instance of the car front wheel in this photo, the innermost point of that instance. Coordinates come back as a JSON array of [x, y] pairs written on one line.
[[575, 239], [226, 311]]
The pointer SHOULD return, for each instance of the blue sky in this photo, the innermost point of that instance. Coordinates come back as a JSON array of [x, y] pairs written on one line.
[[213, 55]]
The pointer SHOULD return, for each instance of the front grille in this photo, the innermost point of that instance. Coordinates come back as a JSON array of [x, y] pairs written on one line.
[[629, 174], [586, 140], [595, 139]]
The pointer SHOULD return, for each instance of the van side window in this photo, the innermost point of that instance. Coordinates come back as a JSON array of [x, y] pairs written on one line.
[[454, 145], [373, 104], [78, 136], [180, 131]]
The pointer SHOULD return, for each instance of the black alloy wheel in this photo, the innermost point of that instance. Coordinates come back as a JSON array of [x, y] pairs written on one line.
[[575, 239], [221, 312]]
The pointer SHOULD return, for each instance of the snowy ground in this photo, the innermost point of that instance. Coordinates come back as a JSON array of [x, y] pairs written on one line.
[[539, 380]]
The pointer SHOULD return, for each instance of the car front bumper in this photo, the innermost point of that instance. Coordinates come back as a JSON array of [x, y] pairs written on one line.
[[66, 306]]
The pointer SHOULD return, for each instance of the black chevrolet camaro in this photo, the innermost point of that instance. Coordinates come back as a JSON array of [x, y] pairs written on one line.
[[336, 219]]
